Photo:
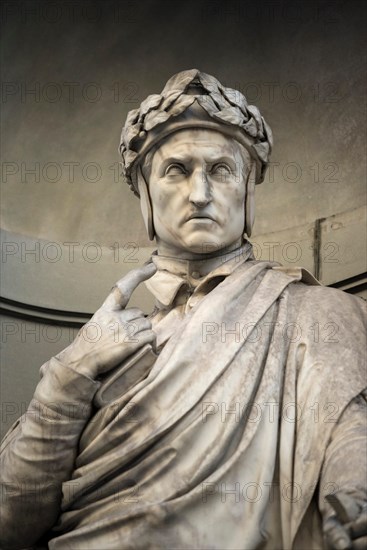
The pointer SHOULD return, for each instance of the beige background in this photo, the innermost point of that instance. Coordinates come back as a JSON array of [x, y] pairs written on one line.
[[89, 63]]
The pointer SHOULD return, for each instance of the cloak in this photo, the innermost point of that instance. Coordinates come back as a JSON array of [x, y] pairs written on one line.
[[222, 445]]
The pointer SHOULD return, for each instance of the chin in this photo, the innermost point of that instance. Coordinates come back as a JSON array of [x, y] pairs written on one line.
[[204, 246]]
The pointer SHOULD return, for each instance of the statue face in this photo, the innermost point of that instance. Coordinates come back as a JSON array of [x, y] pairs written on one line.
[[197, 191]]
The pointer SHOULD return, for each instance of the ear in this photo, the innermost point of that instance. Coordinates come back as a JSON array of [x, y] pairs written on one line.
[[250, 200], [145, 204]]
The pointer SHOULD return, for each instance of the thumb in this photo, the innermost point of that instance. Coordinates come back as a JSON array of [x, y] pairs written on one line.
[[123, 289]]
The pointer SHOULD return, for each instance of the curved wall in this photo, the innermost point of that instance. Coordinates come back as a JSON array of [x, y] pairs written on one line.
[[72, 71]]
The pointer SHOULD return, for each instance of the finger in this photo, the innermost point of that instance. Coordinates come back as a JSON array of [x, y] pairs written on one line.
[[136, 325], [130, 332], [147, 337], [129, 314], [135, 337], [142, 324], [121, 292]]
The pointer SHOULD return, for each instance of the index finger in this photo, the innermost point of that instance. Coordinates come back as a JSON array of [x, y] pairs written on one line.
[[123, 289]]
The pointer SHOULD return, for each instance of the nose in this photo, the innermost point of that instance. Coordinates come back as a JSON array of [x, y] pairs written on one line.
[[200, 192]]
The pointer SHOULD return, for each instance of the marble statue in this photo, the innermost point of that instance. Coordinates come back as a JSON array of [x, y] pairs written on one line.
[[218, 421]]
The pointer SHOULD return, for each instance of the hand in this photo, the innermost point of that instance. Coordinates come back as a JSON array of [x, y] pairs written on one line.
[[348, 528], [113, 333]]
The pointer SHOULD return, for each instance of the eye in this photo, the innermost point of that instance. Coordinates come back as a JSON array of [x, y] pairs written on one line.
[[221, 169], [175, 169]]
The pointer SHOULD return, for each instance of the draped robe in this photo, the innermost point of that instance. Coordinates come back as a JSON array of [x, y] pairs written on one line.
[[222, 444]]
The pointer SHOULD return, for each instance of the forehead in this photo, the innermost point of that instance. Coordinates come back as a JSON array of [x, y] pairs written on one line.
[[196, 142]]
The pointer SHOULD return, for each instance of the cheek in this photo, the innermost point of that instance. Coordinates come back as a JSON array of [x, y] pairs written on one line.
[[239, 193], [165, 204], [231, 199]]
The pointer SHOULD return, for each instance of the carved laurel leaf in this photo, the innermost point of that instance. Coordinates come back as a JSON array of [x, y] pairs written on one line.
[[123, 165], [210, 84], [231, 115], [132, 117], [254, 111], [208, 104], [237, 99], [220, 101], [131, 132], [262, 150], [129, 157], [169, 99], [154, 118], [250, 127], [268, 133], [180, 81], [181, 104], [151, 102]]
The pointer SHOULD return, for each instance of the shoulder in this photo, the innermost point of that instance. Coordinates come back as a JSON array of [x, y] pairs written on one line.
[[328, 299], [314, 307], [308, 289], [333, 322]]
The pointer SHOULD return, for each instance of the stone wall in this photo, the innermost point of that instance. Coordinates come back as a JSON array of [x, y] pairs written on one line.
[[72, 71]]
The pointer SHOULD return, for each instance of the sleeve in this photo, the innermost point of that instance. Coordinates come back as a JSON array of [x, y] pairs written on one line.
[[38, 453], [345, 464]]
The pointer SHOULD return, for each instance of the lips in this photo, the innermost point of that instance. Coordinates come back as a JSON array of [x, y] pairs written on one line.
[[201, 216]]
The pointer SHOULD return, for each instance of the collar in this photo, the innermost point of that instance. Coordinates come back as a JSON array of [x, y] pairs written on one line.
[[174, 273]]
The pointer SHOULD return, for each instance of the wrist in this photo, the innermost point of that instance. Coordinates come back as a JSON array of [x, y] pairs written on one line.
[[81, 363]]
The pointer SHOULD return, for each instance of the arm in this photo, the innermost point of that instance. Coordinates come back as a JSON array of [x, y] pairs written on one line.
[[38, 454], [345, 472]]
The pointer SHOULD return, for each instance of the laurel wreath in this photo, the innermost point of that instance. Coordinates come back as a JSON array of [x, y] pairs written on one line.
[[223, 104]]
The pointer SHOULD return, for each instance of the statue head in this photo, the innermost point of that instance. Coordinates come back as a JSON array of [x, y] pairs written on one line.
[[193, 155]]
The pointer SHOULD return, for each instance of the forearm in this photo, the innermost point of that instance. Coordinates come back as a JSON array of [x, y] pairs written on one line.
[[39, 454], [345, 464]]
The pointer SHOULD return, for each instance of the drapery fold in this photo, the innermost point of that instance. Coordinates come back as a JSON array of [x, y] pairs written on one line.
[[196, 445]]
